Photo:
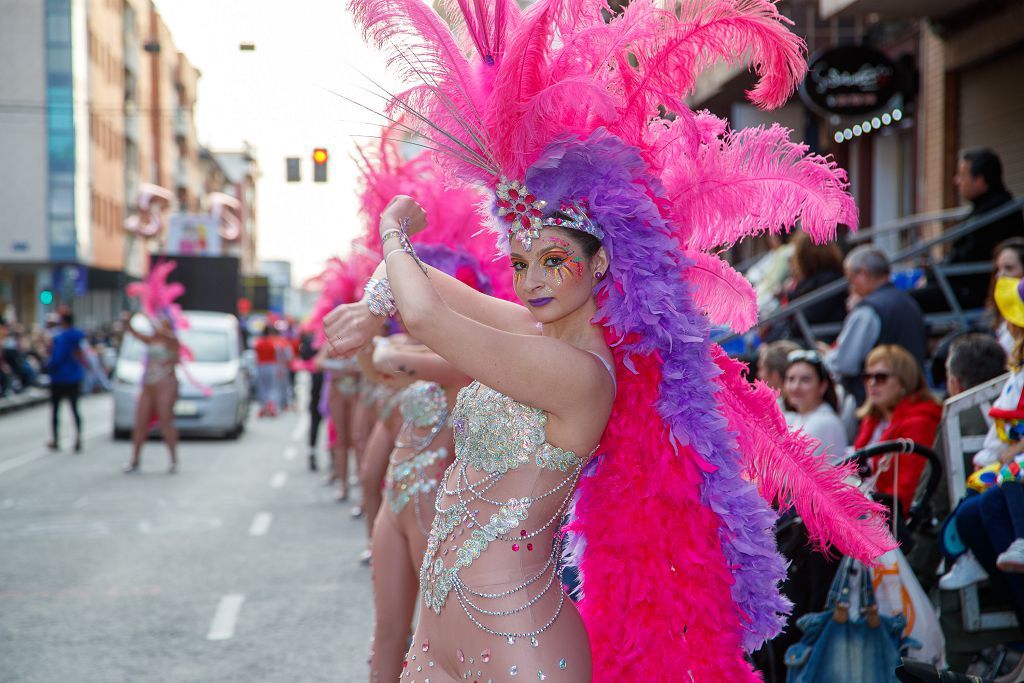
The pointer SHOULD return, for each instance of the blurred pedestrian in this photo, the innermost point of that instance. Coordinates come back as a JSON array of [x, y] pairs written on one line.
[[267, 372], [879, 314], [65, 368], [310, 358], [159, 391]]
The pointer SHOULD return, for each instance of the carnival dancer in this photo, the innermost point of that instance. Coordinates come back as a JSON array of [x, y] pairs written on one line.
[[608, 192], [423, 449], [385, 172], [159, 388]]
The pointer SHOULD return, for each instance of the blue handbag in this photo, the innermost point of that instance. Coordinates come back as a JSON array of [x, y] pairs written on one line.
[[838, 646]]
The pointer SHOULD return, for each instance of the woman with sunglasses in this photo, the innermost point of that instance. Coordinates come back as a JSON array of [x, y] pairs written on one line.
[[811, 402], [899, 406]]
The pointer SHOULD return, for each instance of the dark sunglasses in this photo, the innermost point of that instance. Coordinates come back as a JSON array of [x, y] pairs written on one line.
[[876, 377]]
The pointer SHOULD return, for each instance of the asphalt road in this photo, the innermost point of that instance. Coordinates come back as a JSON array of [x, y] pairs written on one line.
[[241, 567]]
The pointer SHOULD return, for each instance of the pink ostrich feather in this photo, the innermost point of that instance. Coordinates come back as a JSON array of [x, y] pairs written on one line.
[[725, 295], [788, 472], [157, 296], [734, 184], [455, 214]]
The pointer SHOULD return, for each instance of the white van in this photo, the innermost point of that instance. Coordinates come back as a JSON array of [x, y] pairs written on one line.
[[215, 342]]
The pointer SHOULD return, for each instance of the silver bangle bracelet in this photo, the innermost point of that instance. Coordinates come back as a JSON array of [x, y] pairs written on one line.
[[388, 233]]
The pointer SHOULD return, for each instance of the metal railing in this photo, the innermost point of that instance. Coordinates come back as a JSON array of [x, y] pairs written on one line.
[[957, 446], [956, 317]]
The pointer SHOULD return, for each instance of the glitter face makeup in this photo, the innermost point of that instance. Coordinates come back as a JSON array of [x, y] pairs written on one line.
[[552, 274]]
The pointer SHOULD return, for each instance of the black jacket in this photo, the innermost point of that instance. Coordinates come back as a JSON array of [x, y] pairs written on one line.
[[979, 245]]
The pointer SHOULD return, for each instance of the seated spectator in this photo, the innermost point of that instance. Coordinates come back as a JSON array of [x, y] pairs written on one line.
[[769, 272], [991, 525], [771, 364], [879, 314], [973, 359], [811, 403], [899, 406], [979, 180], [1008, 261], [814, 266]]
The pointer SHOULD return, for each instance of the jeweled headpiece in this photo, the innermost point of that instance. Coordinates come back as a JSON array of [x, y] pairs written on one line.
[[524, 214]]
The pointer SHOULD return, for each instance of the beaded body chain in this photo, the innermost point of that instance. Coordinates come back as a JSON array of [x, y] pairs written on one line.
[[493, 435]]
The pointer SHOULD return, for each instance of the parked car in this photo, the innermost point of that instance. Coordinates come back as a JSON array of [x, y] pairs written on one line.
[[215, 343]]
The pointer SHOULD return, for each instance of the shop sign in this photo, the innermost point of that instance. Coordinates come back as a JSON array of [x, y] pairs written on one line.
[[849, 80]]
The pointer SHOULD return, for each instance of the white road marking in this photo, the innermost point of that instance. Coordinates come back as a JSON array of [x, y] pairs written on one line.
[[226, 617], [278, 480], [11, 463], [260, 524], [290, 453]]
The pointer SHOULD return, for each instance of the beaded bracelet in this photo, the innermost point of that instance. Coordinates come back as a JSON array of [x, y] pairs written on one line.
[[403, 239], [388, 233], [379, 298]]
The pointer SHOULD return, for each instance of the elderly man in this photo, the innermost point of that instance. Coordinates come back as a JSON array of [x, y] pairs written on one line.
[[879, 314]]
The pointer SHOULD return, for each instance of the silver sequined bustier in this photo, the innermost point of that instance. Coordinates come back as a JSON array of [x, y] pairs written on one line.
[[493, 435], [423, 404]]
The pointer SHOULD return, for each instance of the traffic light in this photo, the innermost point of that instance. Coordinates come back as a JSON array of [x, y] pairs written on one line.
[[319, 165], [46, 297], [292, 170]]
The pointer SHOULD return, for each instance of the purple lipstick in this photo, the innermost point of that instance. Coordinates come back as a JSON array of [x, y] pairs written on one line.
[[537, 303]]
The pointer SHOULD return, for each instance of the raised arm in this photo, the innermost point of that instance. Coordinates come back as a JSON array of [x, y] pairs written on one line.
[[542, 372], [417, 362], [461, 298]]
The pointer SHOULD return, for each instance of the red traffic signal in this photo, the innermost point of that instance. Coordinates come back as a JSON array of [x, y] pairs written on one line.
[[320, 165]]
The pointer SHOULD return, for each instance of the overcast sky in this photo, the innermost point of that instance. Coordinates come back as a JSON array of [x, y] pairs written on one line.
[[278, 98]]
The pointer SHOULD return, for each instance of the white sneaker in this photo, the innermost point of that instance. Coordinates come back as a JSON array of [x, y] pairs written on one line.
[[1012, 559], [965, 572]]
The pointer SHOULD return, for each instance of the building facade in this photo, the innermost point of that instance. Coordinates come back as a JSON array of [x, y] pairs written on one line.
[[938, 76], [96, 102]]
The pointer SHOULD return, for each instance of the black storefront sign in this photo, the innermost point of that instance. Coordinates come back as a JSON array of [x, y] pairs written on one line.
[[849, 81]]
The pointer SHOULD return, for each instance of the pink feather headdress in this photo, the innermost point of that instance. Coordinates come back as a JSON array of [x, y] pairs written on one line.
[[459, 222], [576, 103], [157, 296]]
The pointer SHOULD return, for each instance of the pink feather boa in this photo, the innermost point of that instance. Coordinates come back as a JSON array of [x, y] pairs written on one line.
[[676, 582]]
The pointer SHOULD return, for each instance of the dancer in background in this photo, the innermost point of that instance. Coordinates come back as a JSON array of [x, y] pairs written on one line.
[[159, 389], [607, 211]]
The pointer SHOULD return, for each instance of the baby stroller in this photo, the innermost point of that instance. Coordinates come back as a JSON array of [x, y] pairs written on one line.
[[811, 573]]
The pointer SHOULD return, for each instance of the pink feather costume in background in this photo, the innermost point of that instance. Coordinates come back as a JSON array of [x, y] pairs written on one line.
[[675, 544]]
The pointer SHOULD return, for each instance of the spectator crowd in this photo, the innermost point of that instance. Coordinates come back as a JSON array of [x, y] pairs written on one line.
[[882, 380]]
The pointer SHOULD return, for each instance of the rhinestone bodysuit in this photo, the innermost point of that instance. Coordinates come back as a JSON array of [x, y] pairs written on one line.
[[493, 435], [424, 410]]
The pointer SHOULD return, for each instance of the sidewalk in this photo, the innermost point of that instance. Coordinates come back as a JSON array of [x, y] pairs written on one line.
[[32, 396]]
